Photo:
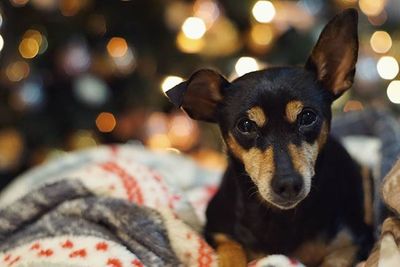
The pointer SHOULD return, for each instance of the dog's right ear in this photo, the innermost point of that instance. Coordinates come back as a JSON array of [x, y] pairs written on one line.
[[334, 56], [200, 95]]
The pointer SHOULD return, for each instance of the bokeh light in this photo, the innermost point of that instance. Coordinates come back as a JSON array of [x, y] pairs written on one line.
[[106, 122], [194, 28], [126, 63], [263, 11], [353, 105], [379, 19], [262, 34], [393, 92], [31, 95], [366, 69], [28, 48], [11, 148], [16, 71], [1, 43], [183, 132], [117, 47], [1, 18], [381, 42], [82, 139], [46, 5], [91, 90], [19, 3], [34, 34], [245, 65], [387, 67], [208, 10], [75, 57], [188, 45], [71, 7], [372, 7], [169, 82], [158, 141]]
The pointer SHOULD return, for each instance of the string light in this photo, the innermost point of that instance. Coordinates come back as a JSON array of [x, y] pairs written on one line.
[[169, 82], [245, 65], [194, 28], [393, 92], [387, 67], [263, 11], [381, 42]]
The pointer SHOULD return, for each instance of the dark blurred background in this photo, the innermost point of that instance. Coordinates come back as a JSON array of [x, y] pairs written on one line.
[[80, 73]]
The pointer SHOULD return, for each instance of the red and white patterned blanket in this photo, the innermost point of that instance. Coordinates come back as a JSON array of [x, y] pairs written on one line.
[[170, 184]]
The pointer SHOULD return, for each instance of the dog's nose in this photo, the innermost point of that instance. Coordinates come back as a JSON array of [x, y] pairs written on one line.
[[287, 187]]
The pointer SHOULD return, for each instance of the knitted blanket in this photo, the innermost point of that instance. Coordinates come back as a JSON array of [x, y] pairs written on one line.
[[111, 206]]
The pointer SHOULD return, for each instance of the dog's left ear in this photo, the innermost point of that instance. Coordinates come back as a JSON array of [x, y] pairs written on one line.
[[334, 56], [200, 95]]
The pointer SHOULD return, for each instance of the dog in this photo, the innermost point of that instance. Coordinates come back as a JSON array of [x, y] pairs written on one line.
[[289, 188]]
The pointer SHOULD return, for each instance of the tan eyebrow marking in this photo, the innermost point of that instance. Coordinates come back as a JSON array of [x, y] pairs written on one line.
[[293, 108], [257, 115]]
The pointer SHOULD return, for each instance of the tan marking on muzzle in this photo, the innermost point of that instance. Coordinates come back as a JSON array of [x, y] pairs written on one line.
[[258, 164], [303, 159], [257, 115], [293, 108]]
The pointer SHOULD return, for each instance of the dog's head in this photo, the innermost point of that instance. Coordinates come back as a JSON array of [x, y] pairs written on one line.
[[276, 121]]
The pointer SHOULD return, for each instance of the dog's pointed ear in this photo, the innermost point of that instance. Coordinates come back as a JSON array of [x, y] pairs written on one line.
[[200, 95], [334, 56]]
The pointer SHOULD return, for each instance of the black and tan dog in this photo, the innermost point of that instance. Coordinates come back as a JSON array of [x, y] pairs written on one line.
[[290, 188]]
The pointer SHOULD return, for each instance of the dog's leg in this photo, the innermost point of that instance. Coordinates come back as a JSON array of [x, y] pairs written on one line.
[[342, 257], [230, 253], [341, 252]]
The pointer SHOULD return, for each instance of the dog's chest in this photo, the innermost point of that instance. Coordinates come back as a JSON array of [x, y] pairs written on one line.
[[305, 236]]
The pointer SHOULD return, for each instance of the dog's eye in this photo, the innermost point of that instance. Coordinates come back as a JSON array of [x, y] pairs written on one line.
[[246, 126], [307, 118]]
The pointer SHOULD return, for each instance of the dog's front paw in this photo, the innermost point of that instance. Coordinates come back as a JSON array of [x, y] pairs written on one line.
[[230, 253]]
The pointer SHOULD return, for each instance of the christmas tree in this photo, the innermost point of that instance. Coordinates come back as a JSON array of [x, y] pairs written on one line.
[[79, 73]]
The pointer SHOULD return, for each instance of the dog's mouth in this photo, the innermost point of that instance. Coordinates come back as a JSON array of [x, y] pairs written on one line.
[[283, 203]]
